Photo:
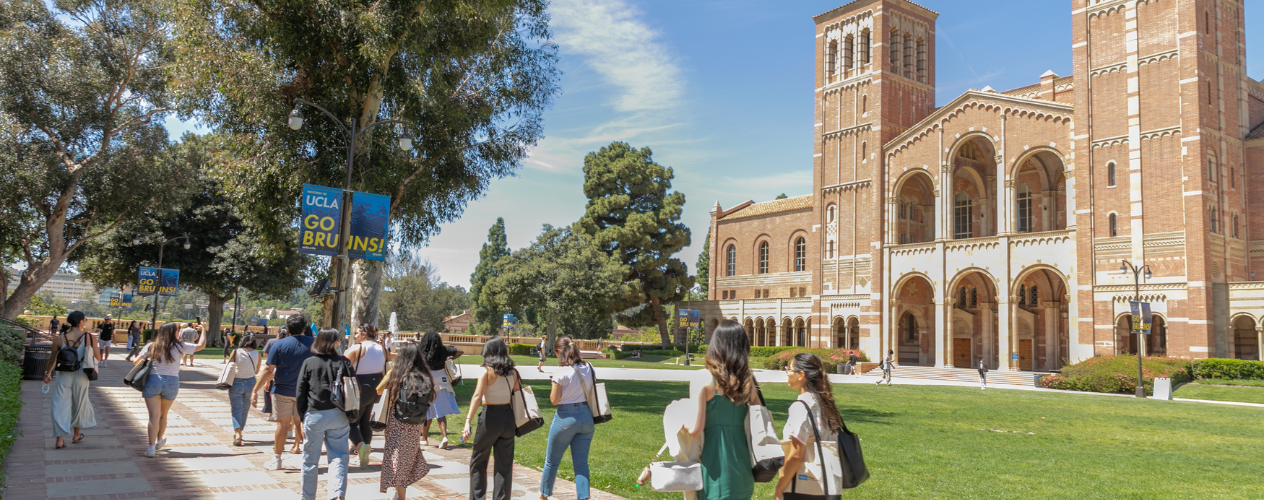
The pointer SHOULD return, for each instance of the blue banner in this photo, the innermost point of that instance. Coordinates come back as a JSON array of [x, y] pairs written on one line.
[[147, 284], [169, 283], [127, 301], [322, 211], [116, 300], [370, 214]]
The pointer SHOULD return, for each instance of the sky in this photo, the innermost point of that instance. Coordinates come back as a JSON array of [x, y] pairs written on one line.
[[722, 92]]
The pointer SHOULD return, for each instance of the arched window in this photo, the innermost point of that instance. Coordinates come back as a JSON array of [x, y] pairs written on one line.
[[732, 261], [831, 213], [864, 46], [894, 51], [1215, 219], [908, 56], [1209, 92], [1235, 226], [962, 216], [1211, 169], [1114, 225], [849, 52], [1233, 177], [831, 55], [961, 299], [864, 151], [763, 257], [1022, 295], [974, 297], [1207, 22], [800, 254], [1035, 296], [864, 104], [830, 254], [1110, 174], [1024, 209], [921, 60], [910, 328]]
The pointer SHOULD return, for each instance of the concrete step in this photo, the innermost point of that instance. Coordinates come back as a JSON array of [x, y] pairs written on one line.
[[959, 375], [593, 355]]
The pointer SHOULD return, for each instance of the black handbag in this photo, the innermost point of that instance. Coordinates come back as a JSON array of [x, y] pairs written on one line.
[[139, 375]]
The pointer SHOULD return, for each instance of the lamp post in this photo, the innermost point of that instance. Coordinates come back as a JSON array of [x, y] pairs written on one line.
[[153, 323], [295, 122], [1125, 268]]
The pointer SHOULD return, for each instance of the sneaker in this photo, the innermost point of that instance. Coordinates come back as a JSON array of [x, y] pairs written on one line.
[[274, 463], [364, 454], [158, 445], [150, 452]]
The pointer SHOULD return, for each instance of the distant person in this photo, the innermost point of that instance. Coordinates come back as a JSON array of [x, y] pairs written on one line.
[[851, 363], [188, 335], [724, 397], [54, 327], [105, 336], [886, 367], [163, 383], [540, 347], [285, 359], [133, 339], [247, 359], [983, 369], [369, 359], [436, 356], [230, 341], [496, 423], [403, 462], [323, 423], [72, 411], [573, 425], [808, 376]]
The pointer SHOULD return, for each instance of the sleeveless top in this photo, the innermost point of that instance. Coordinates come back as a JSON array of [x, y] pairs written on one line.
[[499, 391], [726, 462], [372, 358]]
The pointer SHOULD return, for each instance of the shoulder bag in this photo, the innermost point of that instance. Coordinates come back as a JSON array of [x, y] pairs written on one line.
[[228, 376], [767, 457], [851, 463], [453, 371], [598, 402], [526, 409], [672, 476], [139, 375], [89, 361], [345, 391]]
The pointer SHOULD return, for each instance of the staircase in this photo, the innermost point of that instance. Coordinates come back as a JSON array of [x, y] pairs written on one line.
[[959, 375]]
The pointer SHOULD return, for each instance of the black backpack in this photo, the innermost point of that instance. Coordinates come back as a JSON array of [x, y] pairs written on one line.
[[68, 356], [412, 405]]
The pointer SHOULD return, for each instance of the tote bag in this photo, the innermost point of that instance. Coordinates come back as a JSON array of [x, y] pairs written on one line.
[[598, 402], [811, 484], [90, 363], [767, 457], [453, 370], [345, 392], [674, 476], [526, 409], [227, 377], [139, 375]]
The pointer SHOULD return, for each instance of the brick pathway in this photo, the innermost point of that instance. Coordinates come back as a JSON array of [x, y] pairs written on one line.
[[199, 460]]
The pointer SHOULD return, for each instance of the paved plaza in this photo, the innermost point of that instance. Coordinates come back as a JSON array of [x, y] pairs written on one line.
[[198, 460]]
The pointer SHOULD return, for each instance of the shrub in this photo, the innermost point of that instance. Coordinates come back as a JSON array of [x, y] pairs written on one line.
[[10, 406], [1113, 374], [520, 349], [147, 335], [1229, 369], [11, 340], [831, 357]]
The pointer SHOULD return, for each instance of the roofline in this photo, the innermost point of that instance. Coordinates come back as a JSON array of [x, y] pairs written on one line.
[[938, 113], [857, 3]]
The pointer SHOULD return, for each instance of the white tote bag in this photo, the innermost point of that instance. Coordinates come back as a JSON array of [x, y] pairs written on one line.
[[767, 457], [227, 377], [525, 408], [675, 476], [598, 402]]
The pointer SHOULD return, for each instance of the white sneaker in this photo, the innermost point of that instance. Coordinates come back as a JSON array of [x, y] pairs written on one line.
[[158, 445], [149, 453], [274, 464]]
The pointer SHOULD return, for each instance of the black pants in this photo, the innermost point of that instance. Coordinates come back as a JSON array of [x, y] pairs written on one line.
[[495, 431], [362, 428]]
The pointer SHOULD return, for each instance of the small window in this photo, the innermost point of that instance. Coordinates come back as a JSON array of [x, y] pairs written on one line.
[[732, 261], [792, 292], [831, 250], [864, 104], [908, 56], [763, 257], [974, 297], [1215, 219], [1236, 233], [1110, 174], [1211, 169], [864, 46], [757, 293], [1207, 22], [1114, 225], [910, 328], [1024, 209], [831, 54], [849, 49], [1233, 177], [803, 292], [894, 51], [831, 213], [961, 299], [1035, 296], [724, 295], [800, 254], [1209, 92], [864, 151], [962, 212], [1022, 295]]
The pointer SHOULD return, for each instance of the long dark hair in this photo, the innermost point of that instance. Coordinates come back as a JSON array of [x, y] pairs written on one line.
[[432, 350], [818, 383], [409, 365], [326, 343], [727, 361], [164, 341], [496, 357]]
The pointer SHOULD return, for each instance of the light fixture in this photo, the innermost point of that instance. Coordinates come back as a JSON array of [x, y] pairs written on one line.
[[406, 141], [296, 119], [1123, 267], [135, 241], [186, 243], [1147, 272]]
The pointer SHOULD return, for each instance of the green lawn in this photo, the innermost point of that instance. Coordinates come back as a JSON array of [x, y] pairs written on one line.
[[661, 362], [955, 442], [1214, 390]]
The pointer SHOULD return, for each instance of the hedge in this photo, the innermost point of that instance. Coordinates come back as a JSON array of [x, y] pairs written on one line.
[[520, 349], [11, 340], [10, 406], [831, 357], [1116, 374], [1228, 369]]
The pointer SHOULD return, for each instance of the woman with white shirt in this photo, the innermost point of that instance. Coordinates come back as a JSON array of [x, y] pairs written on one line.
[[573, 423], [802, 470], [247, 358], [163, 383], [369, 359]]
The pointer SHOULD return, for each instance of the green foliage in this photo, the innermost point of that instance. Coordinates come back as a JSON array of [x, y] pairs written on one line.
[[782, 196], [1117, 374], [769, 351], [520, 349], [632, 215], [43, 304], [702, 270], [1217, 392], [1217, 368], [487, 315], [11, 340], [831, 357], [415, 293], [10, 407]]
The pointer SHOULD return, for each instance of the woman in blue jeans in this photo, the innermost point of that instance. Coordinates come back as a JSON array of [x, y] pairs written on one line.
[[163, 384], [247, 358], [323, 423], [573, 423]]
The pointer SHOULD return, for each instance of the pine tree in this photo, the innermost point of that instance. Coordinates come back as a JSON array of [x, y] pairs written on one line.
[[632, 216], [702, 269], [486, 315]]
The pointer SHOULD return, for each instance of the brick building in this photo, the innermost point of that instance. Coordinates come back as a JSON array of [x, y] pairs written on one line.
[[994, 227]]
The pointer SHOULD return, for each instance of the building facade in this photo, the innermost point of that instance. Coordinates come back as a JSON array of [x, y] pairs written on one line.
[[994, 227]]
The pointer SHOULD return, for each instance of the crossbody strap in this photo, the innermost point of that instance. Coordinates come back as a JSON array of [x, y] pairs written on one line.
[[820, 451]]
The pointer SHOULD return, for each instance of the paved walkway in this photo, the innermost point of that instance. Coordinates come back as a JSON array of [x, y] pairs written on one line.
[[199, 460]]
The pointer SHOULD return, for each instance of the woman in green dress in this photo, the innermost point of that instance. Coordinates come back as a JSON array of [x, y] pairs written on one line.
[[722, 406]]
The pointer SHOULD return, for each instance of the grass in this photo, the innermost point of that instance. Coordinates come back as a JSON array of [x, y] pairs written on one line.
[[1242, 391], [658, 362], [955, 442]]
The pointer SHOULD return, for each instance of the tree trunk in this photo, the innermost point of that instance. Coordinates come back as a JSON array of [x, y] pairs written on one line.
[[661, 319], [29, 284], [366, 292], [551, 332], [215, 315]]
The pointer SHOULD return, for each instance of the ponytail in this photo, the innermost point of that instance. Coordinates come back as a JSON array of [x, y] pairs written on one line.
[[817, 382]]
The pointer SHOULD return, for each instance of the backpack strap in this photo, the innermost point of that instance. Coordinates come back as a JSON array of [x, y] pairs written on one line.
[[820, 451]]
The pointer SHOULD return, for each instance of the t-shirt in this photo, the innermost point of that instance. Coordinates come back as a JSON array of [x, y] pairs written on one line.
[[574, 381], [247, 363], [107, 331], [172, 368], [189, 335], [372, 358], [54, 325], [799, 427], [288, 355], [267, 346]]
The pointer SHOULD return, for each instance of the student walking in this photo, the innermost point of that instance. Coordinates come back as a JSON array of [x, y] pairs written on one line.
[[573, 423], [105, 336], [540, 347], [189, 335], [163, 384], [724, 398], [803, 463], [285, 360], [369, 359], [72, 411], [133, 340], [851, 364], [983, 369], [436, 356], [323, 423], [886, 368], [54, 327], [409, 381], [247, 358], [267, 391], [496, 423], [230, 341]]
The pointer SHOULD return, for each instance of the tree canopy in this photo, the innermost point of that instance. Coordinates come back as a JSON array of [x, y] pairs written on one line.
[[702, 269], [632, 216], [487, 314], [416, 294]]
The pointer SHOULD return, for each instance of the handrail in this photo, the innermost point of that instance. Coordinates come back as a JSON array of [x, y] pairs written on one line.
[[30, 332]]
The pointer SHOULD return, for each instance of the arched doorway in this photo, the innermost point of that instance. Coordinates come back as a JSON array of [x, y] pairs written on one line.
[[1156, 344], [1245, 341], [760, 332], [749, 325], [1039, 193], [770, 332], [799, 339], [974, 198], [1042, 301], [915, 209], [975, 320], [839, 331], [913, 339], [853, 333]]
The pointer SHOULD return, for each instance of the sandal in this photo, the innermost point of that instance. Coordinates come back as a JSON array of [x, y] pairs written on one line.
[[60, 446], [443, 445], [237, 441], [78, 439]]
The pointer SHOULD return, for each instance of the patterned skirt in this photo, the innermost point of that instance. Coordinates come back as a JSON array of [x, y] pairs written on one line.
[[402, 462]]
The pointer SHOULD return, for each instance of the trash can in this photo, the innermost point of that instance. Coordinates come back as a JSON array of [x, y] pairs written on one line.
[[35, 361], [1038, 377]]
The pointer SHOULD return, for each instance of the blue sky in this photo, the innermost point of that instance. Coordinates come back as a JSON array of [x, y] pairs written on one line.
[[721, 90]]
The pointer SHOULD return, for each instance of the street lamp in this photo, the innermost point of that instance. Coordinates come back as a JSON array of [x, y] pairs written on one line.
[[153, 322], [1125, 268], [295, 122]]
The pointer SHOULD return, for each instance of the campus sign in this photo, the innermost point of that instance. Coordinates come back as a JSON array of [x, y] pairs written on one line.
[[126, 301], [369, 215], [688, 318], [509, 321], [169, 282], [322, 210], [116, 300], [1141, 318], [320, 223], [147, 282]]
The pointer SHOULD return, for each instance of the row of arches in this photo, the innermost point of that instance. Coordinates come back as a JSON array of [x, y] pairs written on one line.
[[772, 332]]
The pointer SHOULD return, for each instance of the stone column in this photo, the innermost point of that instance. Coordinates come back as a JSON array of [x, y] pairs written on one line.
[[1005, 318], [940, 329], [949, 356], [1231, 340], [1259, 343], [943, 228]]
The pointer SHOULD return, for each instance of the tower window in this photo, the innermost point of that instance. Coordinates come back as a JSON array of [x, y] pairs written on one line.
[[1110, 174], [1211, 169], [1114, 225], [908, 56], [921, 60], [894, 51], [800, 254], [1024, 209], [864, 104], [864, 151], [830, 247], [849, 49], [831, 54], [864, 46], [763, 257], [732, 260], [962, 219], [1215, 219]]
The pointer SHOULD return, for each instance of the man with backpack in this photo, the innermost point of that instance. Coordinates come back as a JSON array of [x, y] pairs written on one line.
[[285, 359], [886, 368]]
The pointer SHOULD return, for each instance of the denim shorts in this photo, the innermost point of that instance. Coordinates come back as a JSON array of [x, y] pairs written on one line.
[[167, 386]]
